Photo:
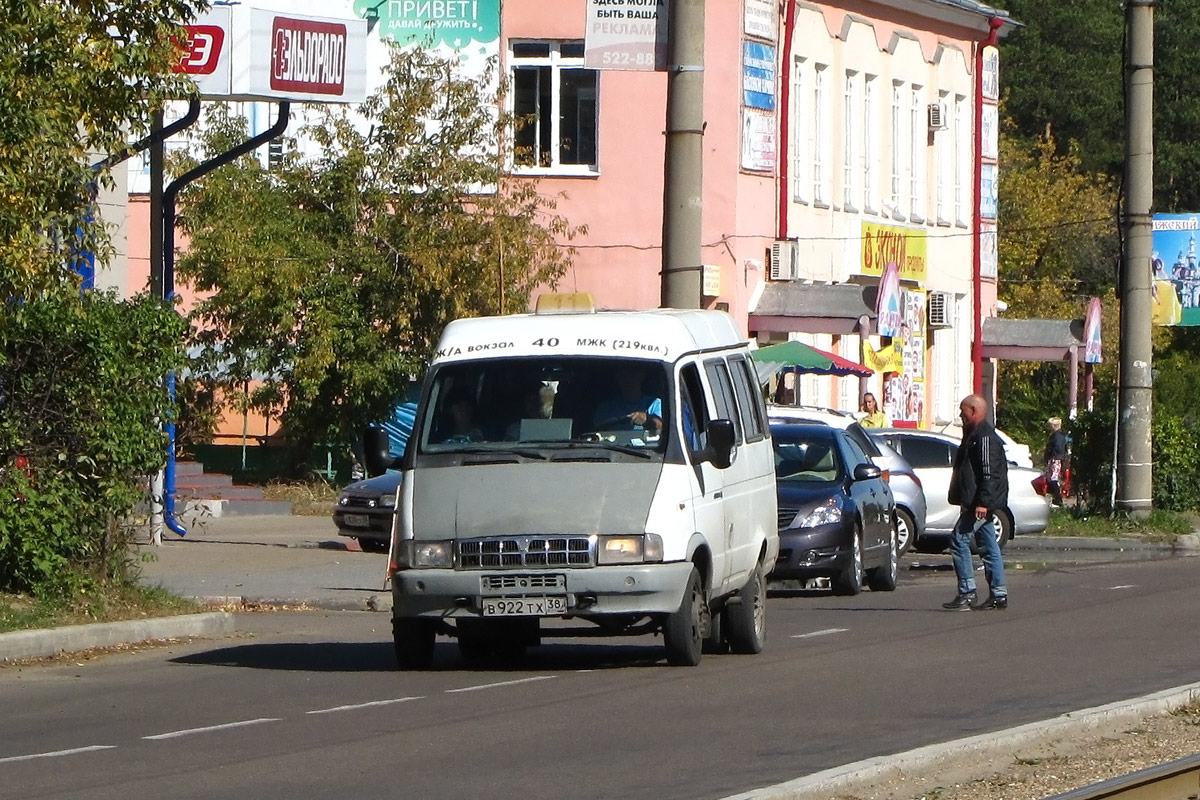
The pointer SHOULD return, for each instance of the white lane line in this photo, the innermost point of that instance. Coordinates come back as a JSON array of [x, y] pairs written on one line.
[[356, 706], [825, 632], [501, 683], [226, 726], [1123, 586], [57, 753]]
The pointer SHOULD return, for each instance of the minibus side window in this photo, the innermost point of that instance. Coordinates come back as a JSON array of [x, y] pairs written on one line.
[[751, 418], [722, 389]]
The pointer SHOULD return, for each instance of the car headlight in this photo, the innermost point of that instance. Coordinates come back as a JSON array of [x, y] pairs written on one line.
[[343, 499], [634, 549], [826, 514], [424, 555], [387, 500]]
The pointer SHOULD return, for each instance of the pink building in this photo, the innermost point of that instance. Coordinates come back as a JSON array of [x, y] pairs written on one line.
[[839, 137]]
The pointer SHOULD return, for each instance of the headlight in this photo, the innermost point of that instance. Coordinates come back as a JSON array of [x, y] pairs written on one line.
[[343, 499], [387, 500], [425, 555], [827, 514], [629, 549]]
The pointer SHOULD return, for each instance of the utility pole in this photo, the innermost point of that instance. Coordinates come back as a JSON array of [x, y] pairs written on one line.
[[1134, 399], [683, 170]]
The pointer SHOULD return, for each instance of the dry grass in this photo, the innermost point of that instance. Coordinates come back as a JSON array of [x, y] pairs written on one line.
[[308, 498]]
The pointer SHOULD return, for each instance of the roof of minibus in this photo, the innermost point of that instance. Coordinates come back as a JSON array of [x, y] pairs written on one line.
[[664, 335]]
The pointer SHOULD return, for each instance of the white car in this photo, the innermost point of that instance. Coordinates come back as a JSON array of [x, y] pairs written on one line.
[[1017, 453], [932, 456]]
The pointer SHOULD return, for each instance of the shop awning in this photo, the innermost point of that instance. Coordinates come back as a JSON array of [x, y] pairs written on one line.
[[836, 308]]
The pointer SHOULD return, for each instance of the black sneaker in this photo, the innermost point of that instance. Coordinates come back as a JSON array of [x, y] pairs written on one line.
[[998, 603], [961, 602]]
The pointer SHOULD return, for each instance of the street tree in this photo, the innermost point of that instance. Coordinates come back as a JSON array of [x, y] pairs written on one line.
[[77, 79], [326, 280]]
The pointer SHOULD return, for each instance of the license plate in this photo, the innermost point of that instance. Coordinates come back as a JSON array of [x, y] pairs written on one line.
[[357, 520], [524, 606]]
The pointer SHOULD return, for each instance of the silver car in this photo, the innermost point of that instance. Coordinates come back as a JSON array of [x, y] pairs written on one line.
[[932, 457]]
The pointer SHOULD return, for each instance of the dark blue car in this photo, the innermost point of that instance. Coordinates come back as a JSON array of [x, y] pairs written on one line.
[[837, 516]]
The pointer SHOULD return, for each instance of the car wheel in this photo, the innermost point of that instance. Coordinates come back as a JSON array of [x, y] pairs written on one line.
[[850, 580], [413, 640], [747, 617], [906, 530], [1003, 524], [372, 545], [681, 632], [883, 578]]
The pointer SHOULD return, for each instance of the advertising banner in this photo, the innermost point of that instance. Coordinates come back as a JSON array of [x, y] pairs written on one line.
[[758, 76], [888, 302], [626, 35], [758, 140], [1091, 333], [760, 19], [1176, 280], [892, 244], [207, 54]]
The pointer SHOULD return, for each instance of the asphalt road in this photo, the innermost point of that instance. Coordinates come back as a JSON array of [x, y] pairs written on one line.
[[309, 705]]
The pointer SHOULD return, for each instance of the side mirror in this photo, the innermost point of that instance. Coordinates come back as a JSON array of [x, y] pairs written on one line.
[[865, 472], [720, 443], [377, 451]]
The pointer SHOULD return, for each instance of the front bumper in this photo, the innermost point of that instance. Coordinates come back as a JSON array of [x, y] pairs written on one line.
[[817, 552], [637, 589]]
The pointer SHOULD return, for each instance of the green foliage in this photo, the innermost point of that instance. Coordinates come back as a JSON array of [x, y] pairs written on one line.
[[82, 398], [76, 79], [1176, 482], [328, 281], [1158, 526]]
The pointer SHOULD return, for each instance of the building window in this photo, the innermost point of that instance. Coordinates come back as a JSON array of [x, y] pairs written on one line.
[[822, 117], [850, 138], [963, 171], [870, 147], [944, 153], [897, 149], [916, 154], [554, 102], [801, 133]]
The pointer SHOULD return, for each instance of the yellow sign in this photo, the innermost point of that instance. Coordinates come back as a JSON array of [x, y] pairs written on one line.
[[710, 280], [886, 244], [885, 359]]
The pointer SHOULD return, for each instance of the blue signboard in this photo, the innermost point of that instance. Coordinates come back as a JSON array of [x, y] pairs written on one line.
[[758, 75]]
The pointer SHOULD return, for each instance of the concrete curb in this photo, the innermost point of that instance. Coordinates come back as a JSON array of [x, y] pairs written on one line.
[[21, 645], [862, 775], [1065, 543]]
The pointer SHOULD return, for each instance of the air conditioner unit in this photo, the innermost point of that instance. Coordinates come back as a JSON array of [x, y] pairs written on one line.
[[941, 309], [783, 261], [937, 117]]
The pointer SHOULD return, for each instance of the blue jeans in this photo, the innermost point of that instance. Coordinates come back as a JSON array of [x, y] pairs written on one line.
[[984, 533]]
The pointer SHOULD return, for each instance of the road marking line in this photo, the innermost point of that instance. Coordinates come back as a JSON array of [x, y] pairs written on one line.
[[501, 683], [209, 728], [825, 632], [1123, 586], [56, 753], [357, 706]]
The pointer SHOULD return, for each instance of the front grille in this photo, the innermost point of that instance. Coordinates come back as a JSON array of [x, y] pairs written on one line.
[[353, 501], [516, 552], [787, 516], [543, 582]]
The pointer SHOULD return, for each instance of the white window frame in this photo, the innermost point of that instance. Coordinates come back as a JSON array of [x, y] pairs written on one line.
[[944, 158], [898, 150], [918, 135], [801, 134], [822, 116], [557, 63], [963, 167], [870, 145], [850, 135]]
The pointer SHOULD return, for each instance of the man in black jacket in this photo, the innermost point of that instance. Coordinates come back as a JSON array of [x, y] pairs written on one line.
[[979, 487]]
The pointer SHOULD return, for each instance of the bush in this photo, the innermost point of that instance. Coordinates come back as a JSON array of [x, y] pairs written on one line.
[[82, 402]]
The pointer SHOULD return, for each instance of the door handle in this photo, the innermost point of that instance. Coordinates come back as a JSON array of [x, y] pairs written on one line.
[[718, 495]]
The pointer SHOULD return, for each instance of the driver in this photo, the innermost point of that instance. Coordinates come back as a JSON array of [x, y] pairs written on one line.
[[629, 406]]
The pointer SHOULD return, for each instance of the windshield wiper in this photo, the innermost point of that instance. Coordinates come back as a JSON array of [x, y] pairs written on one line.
[[487, 451], [620, 448]]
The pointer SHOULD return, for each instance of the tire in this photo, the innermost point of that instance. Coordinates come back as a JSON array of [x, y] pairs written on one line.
[[906, 530], [372, 545], [681, 631], [849, 581], [1003, 524], [884, 577], [747, 618], [413, 640]]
